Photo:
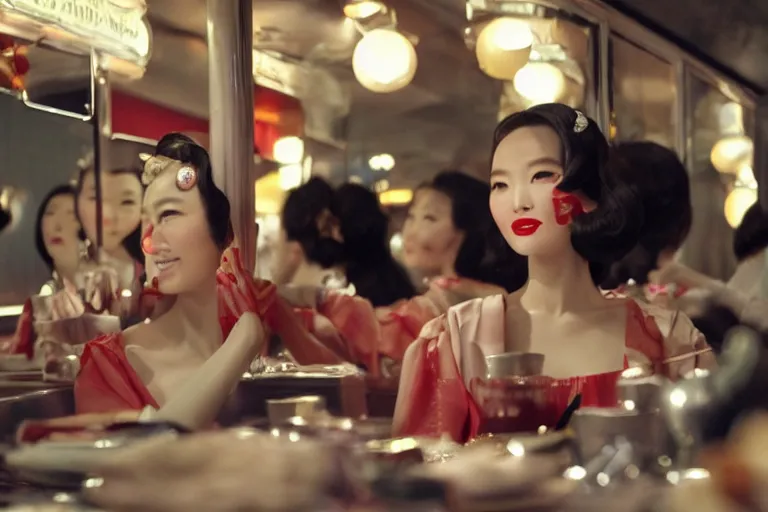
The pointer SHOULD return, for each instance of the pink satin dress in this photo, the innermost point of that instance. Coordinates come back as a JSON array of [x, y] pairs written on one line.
[[444, 369]]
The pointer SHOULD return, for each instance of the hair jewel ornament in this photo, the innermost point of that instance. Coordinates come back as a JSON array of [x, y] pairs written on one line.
[[581, 123], [154, 165]]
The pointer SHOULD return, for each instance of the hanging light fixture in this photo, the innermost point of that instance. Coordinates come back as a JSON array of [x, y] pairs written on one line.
[[540, 82], [288, 150], [735, 149], [384, 61], [731, 153], [363, 9], [503, 47], [737, 203]]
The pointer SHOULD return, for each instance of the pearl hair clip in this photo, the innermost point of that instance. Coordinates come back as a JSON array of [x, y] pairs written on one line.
[[154, 165]]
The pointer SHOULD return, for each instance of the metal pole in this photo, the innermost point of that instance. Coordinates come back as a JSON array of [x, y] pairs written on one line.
[[230, 82], [101, 119]]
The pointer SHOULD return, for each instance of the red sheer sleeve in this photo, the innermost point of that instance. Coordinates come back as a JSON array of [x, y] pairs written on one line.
[[107, 382], [240, 292], [358, 328], [401, 324], [432, 399]]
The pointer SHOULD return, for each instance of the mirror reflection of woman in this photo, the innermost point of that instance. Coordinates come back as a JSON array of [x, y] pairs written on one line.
[[556, 201], [57, 243], [121, 196], [338, 236], [104, 273], [449, 233], [186, 231]]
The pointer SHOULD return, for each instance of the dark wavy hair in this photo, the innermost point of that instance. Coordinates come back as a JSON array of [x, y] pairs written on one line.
[[607, 233], [61, 190], [483, 255], [132, 242], [217, 210], [662, 181], [363, 250], [751, 236]]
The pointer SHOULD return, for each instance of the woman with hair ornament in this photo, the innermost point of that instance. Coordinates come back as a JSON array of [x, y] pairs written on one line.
[[556, 201], [202, 289]]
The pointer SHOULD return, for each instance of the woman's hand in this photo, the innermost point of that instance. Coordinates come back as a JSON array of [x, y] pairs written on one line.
[[223, 471], [65, 303]]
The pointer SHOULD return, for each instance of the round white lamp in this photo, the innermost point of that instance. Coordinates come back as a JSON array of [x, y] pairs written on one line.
[[540, 82], [288, 150], [384, 61], [731, 153], [503, 47], [737, 203]]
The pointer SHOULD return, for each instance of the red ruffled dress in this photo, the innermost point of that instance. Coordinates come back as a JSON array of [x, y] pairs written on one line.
[[107, 382]]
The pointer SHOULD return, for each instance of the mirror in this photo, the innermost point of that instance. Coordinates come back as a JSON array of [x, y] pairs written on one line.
[[58, 82], [39, 151]]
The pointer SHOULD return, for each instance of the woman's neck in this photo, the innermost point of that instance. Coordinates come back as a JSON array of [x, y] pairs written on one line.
[[66, 271], [559, 284], [311, 274], [120, 253], [194, 319]]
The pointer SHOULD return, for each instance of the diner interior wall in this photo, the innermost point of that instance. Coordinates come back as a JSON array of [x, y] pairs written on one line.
[[38, 151]]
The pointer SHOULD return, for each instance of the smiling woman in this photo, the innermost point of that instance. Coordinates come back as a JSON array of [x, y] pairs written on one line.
[[202, 287]]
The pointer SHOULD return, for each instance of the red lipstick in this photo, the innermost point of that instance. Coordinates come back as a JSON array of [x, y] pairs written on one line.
[[525, 227]]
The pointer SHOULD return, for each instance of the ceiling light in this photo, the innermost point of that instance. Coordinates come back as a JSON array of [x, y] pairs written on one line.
[[384, 61], [269, 195], [396, 196], [382, 162], [731, 153], [288, 150], [737, 203], [540, 82], [290, 176], [381, 186], [503, 47], [362, 9]]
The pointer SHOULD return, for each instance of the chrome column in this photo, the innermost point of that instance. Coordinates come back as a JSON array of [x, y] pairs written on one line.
[[101, 119], [230, 82]]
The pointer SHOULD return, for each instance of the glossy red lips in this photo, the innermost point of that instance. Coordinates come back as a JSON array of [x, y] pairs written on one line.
[[567, 206], [525, 226]]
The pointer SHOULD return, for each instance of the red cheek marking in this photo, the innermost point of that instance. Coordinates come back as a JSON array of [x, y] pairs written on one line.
[[567, 206], [146, 240]]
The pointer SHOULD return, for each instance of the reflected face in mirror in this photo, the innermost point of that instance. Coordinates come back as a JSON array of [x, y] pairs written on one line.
[[184, 256], [430, 239], [286, 259], [121, 207], [58, 231], [526, 168]]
